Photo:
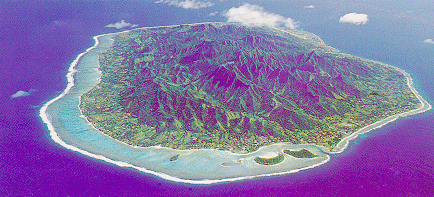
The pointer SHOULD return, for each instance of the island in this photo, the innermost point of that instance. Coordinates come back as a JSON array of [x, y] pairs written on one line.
[[227, 86], [270, 161], [303, 153], [174, 158]]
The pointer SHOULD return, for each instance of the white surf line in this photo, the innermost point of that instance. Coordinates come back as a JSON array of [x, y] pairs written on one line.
[[57, 139], [425, 106]]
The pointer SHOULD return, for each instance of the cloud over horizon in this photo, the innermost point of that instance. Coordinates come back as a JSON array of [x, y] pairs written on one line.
[[122, 24], [255, 15], [187, 4], [309, 6], [354, 18], [428, 41], [213, 13], [21, 93]]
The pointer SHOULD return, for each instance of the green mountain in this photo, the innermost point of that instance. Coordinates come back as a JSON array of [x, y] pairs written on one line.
[[233, 87]]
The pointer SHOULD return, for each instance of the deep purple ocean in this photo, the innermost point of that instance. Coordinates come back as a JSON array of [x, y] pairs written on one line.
[[39, 40]]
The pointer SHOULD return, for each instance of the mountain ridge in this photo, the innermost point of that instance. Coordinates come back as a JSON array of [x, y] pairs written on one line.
[[233, 87]]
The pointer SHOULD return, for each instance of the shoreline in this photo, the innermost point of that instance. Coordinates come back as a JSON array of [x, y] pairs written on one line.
[[425, 106], [46, 118]]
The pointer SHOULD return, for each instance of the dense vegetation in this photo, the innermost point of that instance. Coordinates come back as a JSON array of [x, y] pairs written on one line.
[[237, 88], [270, 161], [300, 154], [174, 158]]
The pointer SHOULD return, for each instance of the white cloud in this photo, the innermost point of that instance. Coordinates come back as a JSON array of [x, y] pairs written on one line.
[[309, 6], [428, 41], [21, 93], [354, 18], [122, 24], [255, 15], [187, 4], [213, 13]]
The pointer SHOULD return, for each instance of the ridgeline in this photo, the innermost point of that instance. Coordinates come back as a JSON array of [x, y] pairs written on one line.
[[232, 87]]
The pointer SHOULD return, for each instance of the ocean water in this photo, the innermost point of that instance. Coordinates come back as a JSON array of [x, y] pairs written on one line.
[[40, 39]]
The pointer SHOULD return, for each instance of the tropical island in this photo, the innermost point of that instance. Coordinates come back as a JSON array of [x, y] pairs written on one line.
[[238, 88], [174, 158], [270, 161], [300, 154]]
